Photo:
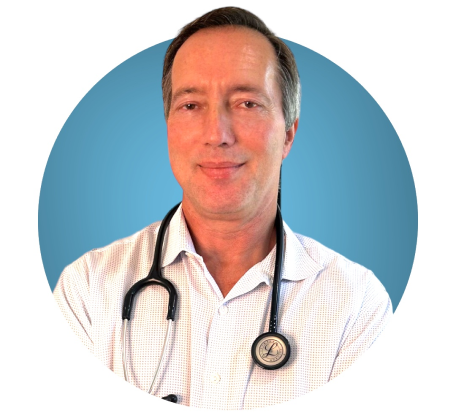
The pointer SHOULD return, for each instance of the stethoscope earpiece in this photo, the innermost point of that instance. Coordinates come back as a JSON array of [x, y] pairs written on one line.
[[170, 398]]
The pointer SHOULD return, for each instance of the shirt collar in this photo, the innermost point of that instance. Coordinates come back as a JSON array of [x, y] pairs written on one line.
[[298, 264], [178, 239], [297, 256]]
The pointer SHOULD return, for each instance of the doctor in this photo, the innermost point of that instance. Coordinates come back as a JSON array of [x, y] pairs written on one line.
[[231, 97]]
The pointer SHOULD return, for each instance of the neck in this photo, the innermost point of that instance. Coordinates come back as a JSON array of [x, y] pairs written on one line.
[[231, 244]]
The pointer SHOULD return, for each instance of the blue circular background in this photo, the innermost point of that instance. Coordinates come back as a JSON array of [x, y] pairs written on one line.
[[347, 182]]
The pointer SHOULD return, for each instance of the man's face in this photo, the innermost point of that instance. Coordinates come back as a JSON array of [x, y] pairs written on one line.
[[226, 129]]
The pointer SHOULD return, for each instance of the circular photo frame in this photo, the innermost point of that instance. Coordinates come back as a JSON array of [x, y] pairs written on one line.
[[347, 182]]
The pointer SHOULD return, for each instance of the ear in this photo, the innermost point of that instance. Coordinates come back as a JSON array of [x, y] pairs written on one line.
[[289, 138]]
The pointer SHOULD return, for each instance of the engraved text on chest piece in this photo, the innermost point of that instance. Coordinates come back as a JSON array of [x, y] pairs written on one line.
[[271, 350]]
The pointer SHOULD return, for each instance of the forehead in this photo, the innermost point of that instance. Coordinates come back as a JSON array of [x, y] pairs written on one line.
[[224, 52], [238, 37]]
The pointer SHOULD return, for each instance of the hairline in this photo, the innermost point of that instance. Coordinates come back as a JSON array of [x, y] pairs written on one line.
[[288, 75]]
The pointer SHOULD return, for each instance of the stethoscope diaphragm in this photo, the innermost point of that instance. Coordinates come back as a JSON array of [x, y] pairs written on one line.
[[270, 351]]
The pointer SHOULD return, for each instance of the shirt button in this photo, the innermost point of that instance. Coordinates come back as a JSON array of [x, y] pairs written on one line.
[[223, 310], [215, 378]]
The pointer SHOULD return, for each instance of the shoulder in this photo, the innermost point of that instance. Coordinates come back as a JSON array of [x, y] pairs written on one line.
[[136, 239], [339, 277], [114, 256], [331, 261]]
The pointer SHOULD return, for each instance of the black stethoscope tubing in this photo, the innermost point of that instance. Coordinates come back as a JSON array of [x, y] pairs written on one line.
[[155, 277], [271, 338]]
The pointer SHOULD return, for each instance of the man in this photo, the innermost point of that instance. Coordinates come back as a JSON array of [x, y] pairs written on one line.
[[231, 95]]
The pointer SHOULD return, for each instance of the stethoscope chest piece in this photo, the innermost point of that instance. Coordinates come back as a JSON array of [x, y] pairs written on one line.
[[270, 351]]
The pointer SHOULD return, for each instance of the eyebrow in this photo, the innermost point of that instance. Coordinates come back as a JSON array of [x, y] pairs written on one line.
[[185, 91], [250, 89], [236, 88]]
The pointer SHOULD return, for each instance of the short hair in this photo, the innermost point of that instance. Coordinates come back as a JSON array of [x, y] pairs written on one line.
[[288, 76]]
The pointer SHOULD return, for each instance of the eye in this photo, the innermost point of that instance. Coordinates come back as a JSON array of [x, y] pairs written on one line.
[[249, 104], [189, 106]]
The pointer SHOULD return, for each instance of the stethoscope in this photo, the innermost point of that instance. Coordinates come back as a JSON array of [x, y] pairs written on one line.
[[270, 350]]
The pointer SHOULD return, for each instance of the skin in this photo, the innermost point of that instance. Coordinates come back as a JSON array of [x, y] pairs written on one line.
[[226, 142]]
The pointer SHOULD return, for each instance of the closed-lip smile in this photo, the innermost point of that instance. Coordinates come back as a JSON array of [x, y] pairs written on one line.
[[220, 170], [220, 165]]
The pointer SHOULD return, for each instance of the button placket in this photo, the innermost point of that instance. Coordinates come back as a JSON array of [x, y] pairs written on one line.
[[215, 378], [223, 310], [217, 358]]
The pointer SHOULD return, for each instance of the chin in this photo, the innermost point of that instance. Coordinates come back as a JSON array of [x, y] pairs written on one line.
[[223, 203], [225, 207]]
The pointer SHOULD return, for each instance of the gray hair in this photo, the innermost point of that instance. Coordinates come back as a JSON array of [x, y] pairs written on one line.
[[288, 76]]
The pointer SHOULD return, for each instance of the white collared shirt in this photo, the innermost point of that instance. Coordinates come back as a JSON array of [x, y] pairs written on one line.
[[330, 309]]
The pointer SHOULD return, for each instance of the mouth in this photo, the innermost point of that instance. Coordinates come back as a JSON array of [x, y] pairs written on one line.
[[220, 170]]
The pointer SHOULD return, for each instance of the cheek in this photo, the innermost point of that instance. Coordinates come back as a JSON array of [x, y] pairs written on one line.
[[267, 143], [178, 136], [175, 150], [182, 133]]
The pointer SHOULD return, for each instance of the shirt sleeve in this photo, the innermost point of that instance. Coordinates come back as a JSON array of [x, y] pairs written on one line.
[[375, 313], [72, 296]]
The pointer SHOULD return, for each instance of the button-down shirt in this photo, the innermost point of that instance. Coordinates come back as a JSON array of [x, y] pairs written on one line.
[[330, 309]]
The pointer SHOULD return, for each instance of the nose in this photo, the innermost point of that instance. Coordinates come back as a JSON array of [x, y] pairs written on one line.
[[219, 131]]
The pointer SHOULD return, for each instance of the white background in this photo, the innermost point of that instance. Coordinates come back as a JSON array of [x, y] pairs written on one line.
[[54, 52]]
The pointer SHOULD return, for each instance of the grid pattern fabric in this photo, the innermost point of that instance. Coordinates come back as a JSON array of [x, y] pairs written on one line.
[[331, 310]]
